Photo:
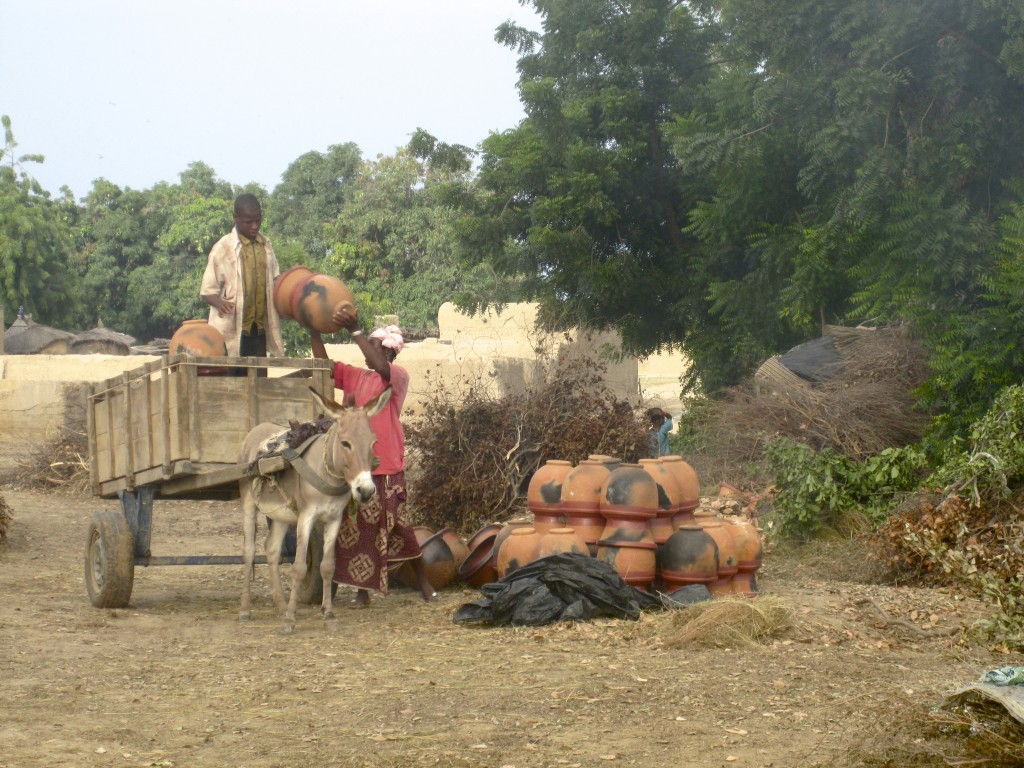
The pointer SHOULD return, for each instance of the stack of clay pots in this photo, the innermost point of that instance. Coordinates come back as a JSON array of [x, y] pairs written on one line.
[[309, 298], [628, 503]]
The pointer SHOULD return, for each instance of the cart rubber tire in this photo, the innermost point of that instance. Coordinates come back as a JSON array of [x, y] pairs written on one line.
[[311, 590], [109, 560]]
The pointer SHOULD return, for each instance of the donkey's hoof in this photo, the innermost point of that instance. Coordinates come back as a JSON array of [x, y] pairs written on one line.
[[288, 629], [244, 616]]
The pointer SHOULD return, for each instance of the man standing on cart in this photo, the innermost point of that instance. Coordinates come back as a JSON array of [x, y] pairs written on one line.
[[238, 284], [381, 530]]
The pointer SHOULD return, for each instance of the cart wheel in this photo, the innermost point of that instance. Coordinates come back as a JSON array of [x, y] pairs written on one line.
[[109, 560], [311, 590]]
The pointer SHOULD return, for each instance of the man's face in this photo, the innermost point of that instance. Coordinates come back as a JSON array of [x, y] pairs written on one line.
[[248, 223]]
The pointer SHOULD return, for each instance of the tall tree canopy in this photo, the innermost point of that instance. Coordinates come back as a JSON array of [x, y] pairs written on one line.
[[35, 239]]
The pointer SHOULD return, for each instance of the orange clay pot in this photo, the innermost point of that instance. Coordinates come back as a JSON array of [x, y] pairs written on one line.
[[519, 549], [284, 284], [314, 300], [478, 568], [748, 553], [668, 499], [727, 568], [636, 566], [561, 540], [199, 339], [689, 489], [689, 556]]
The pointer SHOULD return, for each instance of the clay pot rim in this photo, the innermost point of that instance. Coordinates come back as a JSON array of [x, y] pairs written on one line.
[[491, 529], [625, 510], [627, 544], [484, 547]]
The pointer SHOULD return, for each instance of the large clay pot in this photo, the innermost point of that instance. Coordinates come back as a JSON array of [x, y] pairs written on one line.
[[668, 499], [478, 568], [458, 547], [200, 339], [689, 556], [314, 300], [748, 553], [505, 532], [581, 500], [727, 569], [689, 489], [439, 561], [629, 501], [283, 287], [544, 494], [559, 540], [636, 566], [545, 488], [519, 549]]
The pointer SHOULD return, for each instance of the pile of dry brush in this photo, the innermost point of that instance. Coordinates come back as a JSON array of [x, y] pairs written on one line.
[[472, 454], [61, 463], [866, 406]]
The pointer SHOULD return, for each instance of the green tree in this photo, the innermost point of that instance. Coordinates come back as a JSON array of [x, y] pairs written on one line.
[[584, 199], [393, 239], [35, 241]]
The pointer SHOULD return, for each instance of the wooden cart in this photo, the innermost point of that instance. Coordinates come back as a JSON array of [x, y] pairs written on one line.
[[172, 429]]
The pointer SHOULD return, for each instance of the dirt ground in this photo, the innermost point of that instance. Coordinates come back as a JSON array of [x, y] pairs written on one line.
[[177, 680]]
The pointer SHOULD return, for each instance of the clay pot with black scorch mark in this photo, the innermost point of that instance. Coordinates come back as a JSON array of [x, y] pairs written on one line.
[[544, 494], [519, 549], [284, 284], [200, 339], [689, 556], [440, 563], [581, 500], [727, 568], [748, 553], [669, 499], [689, 489], [562, 540], [505, 532], [629, 501]]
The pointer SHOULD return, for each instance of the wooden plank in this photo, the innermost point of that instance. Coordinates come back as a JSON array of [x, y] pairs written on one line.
[[129, 429], [162, 418], [90, 431], [203, 481]]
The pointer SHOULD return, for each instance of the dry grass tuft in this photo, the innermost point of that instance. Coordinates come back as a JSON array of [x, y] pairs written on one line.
[[62, 463], [915, 732], [830, 558], [729, 622]]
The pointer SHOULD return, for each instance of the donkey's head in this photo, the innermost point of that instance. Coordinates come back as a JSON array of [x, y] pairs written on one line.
[[348, 450]]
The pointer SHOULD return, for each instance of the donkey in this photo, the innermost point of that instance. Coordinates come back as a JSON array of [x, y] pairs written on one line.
[[316, 489]]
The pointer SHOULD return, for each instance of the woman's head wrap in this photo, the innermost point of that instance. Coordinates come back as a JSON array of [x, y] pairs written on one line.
[[390, 336]]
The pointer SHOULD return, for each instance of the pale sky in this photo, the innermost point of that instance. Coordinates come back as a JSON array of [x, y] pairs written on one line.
[[134, 91]]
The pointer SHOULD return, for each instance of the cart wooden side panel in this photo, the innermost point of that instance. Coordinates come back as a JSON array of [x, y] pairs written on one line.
[[166, 423]]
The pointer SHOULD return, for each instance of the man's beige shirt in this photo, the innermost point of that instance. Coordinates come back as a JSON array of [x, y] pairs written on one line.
[[223, 277]]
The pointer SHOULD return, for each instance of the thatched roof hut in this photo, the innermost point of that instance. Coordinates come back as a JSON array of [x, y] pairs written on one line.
[[101, 340], [28, 338]]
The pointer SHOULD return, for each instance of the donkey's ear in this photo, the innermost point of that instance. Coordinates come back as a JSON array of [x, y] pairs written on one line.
[[376, 405], [330, 407]]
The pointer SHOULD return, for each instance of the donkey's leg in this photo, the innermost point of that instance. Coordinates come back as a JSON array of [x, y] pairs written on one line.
[[274, 539], [248, 546], [331, 529], [303, 528]]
